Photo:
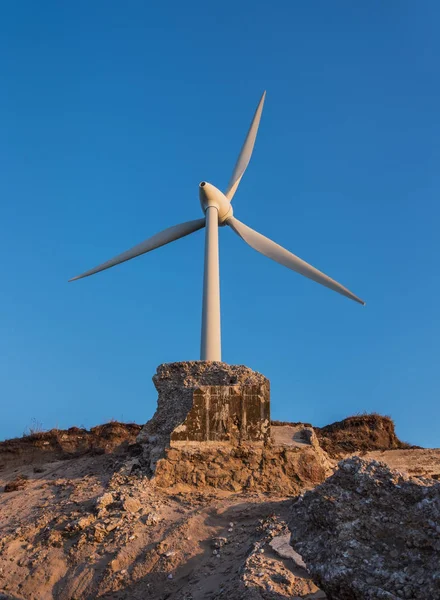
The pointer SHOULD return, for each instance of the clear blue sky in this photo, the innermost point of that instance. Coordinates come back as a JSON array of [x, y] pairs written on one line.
[[110, 115]]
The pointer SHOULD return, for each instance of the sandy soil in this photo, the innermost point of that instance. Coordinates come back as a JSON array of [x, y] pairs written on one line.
[[92, 526], [83, 528], [424, 462]]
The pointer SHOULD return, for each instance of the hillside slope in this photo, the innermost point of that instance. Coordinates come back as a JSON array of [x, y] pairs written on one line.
[[83, 521]]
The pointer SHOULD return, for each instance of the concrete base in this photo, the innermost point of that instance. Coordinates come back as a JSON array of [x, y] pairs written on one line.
[[206, 402], [221, 413]]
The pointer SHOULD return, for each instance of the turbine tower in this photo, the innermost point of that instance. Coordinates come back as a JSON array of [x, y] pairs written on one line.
[[217, 209]]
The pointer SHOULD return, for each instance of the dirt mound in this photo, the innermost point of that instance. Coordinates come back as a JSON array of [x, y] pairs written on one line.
[[88, 523], [368, 532], [59, 444], [81, 530], [360, 433]]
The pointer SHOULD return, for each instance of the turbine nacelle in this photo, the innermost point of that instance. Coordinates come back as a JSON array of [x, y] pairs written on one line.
[[211, 196]]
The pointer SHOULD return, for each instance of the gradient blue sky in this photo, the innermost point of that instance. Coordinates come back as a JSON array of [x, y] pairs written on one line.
[[110, 115]]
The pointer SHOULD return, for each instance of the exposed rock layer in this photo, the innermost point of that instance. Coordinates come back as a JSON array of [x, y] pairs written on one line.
[[360, 433], [368, 532], [68, 443]]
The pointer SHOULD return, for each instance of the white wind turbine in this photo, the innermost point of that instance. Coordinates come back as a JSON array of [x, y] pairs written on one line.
[[217, 209]]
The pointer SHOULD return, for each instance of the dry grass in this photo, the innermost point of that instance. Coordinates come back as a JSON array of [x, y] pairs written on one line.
[[35, 428]]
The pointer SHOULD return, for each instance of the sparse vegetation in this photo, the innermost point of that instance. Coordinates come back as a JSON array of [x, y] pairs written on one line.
[[34, 428], [72, 442]]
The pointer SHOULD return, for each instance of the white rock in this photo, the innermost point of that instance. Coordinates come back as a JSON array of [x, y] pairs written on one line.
[[281, 546]]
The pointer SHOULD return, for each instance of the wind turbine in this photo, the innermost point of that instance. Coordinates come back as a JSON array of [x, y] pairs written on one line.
[[218, 211]]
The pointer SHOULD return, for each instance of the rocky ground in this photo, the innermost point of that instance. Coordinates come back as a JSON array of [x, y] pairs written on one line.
[[80, 520], [81, 529], [370, 532]]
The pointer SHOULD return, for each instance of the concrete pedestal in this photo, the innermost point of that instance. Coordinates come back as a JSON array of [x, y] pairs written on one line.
[[206, 403], [231, 414], [212, 429]]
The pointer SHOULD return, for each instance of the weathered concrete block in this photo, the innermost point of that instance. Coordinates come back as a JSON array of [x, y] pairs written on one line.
[[206, 402], [232, 414]]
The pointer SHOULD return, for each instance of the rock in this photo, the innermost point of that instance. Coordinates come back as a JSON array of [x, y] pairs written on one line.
[[103, 501], [281, 546], [55, 538], [80, 524], [352, 528], [131, 505], [261, 573], [99, 533], [113, 524], [151, 519], [218, 542], [17, 484]]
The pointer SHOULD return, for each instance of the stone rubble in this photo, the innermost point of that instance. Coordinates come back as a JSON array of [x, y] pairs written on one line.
[[368, 532], [264, 576], [281, 546]]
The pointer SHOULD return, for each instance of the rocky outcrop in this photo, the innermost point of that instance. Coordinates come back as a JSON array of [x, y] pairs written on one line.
[[69, 443], [360, 433], [204, 401], [368, 532]]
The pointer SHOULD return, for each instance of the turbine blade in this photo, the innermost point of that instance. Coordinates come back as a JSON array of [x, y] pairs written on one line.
[[246, 151], [160, 239], [284, 257]]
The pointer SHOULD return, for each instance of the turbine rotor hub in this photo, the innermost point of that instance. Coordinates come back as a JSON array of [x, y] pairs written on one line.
[[211, 196]]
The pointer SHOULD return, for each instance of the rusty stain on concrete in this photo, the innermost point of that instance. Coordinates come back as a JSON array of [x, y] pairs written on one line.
[[222, 413]]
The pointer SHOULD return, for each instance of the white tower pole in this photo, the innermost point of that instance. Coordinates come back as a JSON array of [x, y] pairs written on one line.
[[211, 336]]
